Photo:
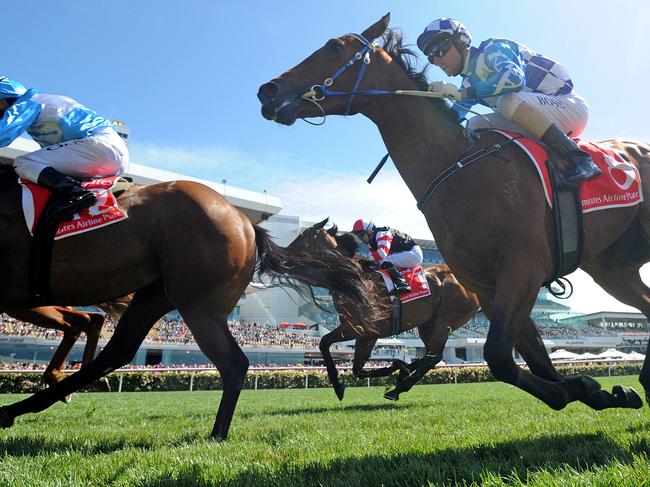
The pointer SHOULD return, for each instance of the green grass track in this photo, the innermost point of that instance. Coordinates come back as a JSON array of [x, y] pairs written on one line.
[[465, 434]]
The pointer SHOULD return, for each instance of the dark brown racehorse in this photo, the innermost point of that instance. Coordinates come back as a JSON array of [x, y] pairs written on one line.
[[183, 247], [448, 308], [491, 222]]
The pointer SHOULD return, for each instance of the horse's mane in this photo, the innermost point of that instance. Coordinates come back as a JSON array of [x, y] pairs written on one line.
[[407, 59], [347, 242]]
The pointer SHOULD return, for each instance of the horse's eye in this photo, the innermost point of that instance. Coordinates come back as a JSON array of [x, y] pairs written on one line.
[[335, 45]]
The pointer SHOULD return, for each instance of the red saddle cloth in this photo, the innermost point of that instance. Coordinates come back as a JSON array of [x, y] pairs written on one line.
[[104, 212], [617, 186], [416, 280]]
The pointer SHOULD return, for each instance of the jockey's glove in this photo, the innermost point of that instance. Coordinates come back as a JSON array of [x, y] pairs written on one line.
[[445, 90]]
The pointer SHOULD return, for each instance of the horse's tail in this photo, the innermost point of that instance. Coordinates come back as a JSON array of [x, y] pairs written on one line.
[[326, 270]]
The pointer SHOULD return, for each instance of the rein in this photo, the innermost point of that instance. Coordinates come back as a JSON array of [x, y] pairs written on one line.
[[319, 92]]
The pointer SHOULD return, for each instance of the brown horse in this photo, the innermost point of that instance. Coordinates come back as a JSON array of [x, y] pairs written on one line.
[[448, 308], [491, 222], [183, 247]]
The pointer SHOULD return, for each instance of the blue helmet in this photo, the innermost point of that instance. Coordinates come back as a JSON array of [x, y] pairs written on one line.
[[10, 88], [441, 29]]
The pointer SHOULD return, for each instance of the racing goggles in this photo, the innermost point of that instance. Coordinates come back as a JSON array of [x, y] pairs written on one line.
[[439, 50]]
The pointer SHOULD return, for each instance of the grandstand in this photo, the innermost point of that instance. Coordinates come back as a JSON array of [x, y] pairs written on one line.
[[254, 321]]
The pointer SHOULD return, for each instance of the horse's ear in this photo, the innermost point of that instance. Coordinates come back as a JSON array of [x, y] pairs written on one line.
[[333, 231], [321, 224], [377, 29]]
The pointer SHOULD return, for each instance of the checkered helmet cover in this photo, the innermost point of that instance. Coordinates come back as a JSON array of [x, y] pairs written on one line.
[[441, 29]]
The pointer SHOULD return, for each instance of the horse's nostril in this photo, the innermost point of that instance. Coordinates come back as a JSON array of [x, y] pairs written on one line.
[[269, 90]]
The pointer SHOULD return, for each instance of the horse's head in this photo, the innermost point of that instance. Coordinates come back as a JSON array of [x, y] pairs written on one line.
[[314, 239], [314, 87]]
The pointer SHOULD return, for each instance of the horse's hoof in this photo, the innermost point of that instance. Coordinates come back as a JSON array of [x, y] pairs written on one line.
[[340, 390], [6, 421], [627, 397], [101, 385], [392, 395], [67, 399]]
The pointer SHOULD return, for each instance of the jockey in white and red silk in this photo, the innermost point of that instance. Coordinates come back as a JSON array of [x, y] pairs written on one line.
[[391, 249], [525, 90], [74, 141]]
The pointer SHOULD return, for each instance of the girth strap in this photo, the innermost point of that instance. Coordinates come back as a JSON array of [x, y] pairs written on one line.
[[456, 167], [396, 317]]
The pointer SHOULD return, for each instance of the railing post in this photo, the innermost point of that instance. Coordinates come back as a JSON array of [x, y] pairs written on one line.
[[368, 379], [119, 386], [306, 380], [255, 382], [455, 375], [192, 381]]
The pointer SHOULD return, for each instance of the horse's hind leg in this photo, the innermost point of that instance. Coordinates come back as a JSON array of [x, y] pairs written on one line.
[[434, 335], [148, 305], [622, 280], [66, 320], [210, 330]]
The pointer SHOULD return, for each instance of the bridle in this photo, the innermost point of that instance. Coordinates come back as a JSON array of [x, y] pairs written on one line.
[[319, 92]]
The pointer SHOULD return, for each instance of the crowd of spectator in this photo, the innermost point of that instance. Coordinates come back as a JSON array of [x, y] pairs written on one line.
[[258, 335], [173, 330]]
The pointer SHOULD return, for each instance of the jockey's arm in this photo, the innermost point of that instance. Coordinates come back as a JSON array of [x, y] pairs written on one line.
[[17, 119], [508, 77], [384, 242]]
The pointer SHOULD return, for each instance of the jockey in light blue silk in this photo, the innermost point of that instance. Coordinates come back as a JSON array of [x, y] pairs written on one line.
[[76, 143], [526, 90]]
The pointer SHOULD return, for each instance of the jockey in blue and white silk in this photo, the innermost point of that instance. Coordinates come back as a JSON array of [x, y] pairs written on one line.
[[529, 93], [75, 141]]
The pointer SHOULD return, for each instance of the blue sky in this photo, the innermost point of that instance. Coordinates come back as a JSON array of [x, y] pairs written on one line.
[[184, 78]]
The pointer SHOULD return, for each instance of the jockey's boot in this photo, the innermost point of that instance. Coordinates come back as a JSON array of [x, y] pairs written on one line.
[[581, 166], [401, 286], [72, 197]]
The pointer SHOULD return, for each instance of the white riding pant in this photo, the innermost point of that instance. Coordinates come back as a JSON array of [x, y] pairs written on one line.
[[100, 155], [569, 112], [409, 258]]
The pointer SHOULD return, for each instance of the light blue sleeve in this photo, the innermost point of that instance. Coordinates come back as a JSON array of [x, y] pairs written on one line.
[[509, 75], [17, 119]]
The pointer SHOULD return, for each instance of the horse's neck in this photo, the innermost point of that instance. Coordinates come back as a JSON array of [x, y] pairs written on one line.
[[422, 141]]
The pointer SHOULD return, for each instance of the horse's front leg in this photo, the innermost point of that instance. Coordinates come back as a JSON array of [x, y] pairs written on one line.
[[583, 387], [339, 334]]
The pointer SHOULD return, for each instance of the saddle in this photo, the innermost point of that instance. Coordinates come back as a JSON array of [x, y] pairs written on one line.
[[46, 226]]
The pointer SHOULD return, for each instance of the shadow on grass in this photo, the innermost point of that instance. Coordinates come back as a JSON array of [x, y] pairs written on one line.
[[388, 406], [511, 460], [33, 446]]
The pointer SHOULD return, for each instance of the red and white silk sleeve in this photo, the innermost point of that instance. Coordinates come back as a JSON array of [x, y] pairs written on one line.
[[384, 241]]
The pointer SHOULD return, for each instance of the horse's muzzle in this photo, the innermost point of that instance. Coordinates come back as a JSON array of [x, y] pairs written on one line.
[[279, 104]]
